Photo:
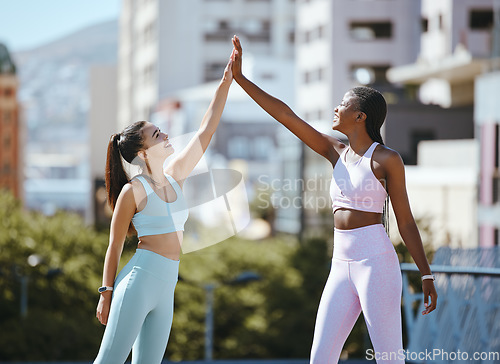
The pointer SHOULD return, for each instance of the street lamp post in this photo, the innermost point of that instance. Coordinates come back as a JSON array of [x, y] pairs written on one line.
[[209, 321], [243, 278]]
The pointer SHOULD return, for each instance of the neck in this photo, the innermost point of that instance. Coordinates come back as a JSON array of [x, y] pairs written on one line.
[[359, 142], [156, 171]]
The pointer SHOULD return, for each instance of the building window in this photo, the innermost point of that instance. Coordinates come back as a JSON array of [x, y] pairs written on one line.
[[7, 116], [213, 71], [148, 34], [481, 19], [371, 30], [316, 75], [497, 145], [424, 23], [220, 32], [314, 34], [238, 147], [259, 31], [263, 147], [496, 189], [148, 74], [6, 168], [440, 21], [369, 74], [416, 136]]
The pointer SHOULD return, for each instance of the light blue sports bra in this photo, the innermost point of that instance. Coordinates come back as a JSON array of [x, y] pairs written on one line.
[[158, 216]]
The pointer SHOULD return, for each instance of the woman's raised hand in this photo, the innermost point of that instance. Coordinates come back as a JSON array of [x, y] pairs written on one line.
[[228, 71], [237, 58]]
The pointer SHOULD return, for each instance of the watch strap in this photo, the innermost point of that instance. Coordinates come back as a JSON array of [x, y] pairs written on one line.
[[104, 289], [428, 276]]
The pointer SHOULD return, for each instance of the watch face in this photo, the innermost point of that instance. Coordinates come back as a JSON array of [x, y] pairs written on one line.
[[102, 289]]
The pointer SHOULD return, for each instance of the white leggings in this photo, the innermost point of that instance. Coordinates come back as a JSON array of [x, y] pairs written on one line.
[[365, 275]]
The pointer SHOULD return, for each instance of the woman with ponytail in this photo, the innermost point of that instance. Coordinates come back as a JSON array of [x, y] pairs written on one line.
[[365, 273], [137, 305]]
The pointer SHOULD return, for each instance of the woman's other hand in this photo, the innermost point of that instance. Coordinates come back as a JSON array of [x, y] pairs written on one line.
[[103, 306], [228, 71], [238, 53], [429, 291]]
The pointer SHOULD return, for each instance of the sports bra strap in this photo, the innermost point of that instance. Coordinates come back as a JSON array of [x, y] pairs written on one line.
[[370, 150], [146, 185], [172, 181]]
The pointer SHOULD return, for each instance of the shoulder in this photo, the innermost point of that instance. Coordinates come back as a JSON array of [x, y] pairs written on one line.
[[133, 190], [127, 191], [126, 199], [388, 158], [337, 145]]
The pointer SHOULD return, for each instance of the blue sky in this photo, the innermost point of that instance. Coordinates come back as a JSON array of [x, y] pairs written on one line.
[[28, 23]]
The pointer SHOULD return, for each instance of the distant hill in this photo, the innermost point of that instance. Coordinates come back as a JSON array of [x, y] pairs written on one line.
[[54, 77], [97, 43]]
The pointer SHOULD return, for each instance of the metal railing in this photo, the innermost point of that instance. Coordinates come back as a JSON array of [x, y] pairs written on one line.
[[466, 323]]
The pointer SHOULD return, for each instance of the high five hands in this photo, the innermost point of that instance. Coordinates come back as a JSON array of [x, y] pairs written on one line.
[[237, 54]]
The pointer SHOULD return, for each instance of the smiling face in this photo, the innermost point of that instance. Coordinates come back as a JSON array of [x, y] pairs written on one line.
[[347, 114], [156, 142]]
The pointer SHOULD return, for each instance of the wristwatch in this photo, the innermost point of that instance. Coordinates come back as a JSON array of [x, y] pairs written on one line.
[[104, 289], [428, 276]]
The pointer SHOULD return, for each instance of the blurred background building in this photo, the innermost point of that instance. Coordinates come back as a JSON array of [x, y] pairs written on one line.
[[160, 61], [170, 45], [459, 49], [10, 126]]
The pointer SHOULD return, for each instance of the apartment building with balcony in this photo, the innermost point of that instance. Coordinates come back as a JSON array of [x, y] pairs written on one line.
[[170, 45], [457, 69]]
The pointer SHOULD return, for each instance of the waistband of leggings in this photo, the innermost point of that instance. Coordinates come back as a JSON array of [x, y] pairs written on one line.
[[361, 243], [361, 228], [156, 264]]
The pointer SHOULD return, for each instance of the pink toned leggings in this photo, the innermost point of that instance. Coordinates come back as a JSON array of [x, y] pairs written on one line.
[[365, 275]]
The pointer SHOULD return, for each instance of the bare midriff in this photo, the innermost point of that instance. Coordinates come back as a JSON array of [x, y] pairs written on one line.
[[347, 219], [167, 245]]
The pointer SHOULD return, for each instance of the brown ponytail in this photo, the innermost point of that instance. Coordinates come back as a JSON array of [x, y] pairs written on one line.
[[115, 177], [125, 144]]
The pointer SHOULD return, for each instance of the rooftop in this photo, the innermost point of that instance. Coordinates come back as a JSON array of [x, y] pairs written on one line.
[[7, 66]]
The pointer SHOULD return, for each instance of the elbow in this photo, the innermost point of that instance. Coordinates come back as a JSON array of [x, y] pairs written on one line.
[[115, 245], [407, 227]]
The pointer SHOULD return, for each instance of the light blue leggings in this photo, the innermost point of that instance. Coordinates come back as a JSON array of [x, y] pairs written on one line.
[[141, 310]]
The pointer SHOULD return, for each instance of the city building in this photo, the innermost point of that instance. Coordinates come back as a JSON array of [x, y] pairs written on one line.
[[11, 170], [457, 69], [170, 45], [247, 139], [341, 44], [102, 124], [487, 119], [442, 190]]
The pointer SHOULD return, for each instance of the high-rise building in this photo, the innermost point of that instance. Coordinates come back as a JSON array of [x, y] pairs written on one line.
[[10, 158], [345, 43], [457, 69], [168, 45], [341, 44]]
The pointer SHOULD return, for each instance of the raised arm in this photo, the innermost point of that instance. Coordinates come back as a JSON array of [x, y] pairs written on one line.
[[396, 188], [182, 165], [122, 215], [322, 144]]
